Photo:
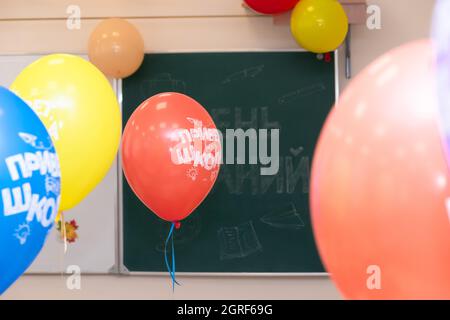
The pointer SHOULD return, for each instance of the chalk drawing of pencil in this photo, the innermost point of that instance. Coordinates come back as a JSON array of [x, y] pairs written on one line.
[[301, 93], [244, 74]]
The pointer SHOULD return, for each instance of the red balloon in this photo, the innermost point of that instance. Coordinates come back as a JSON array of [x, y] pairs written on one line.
[[380, 185], [171, 153], [271, 6]]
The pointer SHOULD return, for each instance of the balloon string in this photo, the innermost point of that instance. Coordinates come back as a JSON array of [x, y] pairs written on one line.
[[61, 234], [170, 269], [64, 233]]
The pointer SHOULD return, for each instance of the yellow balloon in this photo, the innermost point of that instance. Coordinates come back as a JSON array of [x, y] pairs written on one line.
[[79, 109], [319, 25]]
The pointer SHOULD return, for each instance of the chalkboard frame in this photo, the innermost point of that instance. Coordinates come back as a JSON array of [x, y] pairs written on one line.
[[122, 268]]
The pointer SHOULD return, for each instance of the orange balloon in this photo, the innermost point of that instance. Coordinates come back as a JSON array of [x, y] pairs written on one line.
[[116, 48], [380, 185]]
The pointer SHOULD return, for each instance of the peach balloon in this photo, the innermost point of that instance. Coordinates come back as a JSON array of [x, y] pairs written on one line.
[[116, 48], [380, 186]]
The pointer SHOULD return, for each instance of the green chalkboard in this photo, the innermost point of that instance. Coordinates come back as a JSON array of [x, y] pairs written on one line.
[[249, 223]]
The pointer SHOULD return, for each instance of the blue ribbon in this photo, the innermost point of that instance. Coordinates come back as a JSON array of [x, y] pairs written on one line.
[[171, 270]]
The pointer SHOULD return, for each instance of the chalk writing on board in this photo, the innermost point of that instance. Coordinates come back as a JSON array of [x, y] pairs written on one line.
[[247, 73], [301, 172], [286, 217], [244, 118], [292, 177], [296, 151], [162, 82], [301, 93], [238, 242]]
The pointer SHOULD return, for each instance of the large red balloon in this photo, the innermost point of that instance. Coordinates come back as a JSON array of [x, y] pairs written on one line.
[[271, 6], [171, 153], [380, 185]]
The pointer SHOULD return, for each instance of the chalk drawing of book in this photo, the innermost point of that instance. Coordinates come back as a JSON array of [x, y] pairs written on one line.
[[162, 82], [286, 217], [238, 242], [244, 74], [301, 93]]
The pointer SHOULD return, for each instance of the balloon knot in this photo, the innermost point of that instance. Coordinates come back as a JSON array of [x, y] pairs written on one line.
[[177, 224]]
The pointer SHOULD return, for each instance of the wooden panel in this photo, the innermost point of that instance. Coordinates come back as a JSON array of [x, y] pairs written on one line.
[[353, 1], [56, 9], [356, 13], [177, 34], [355, 9], [26, 9]]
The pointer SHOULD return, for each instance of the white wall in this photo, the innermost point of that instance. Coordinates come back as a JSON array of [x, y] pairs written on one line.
[[25, 27], [95, 249]]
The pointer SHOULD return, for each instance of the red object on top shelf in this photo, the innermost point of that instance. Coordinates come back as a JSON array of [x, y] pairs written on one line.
[[271, 6]]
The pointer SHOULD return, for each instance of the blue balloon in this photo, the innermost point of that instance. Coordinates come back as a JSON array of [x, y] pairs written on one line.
[[29, 186]]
